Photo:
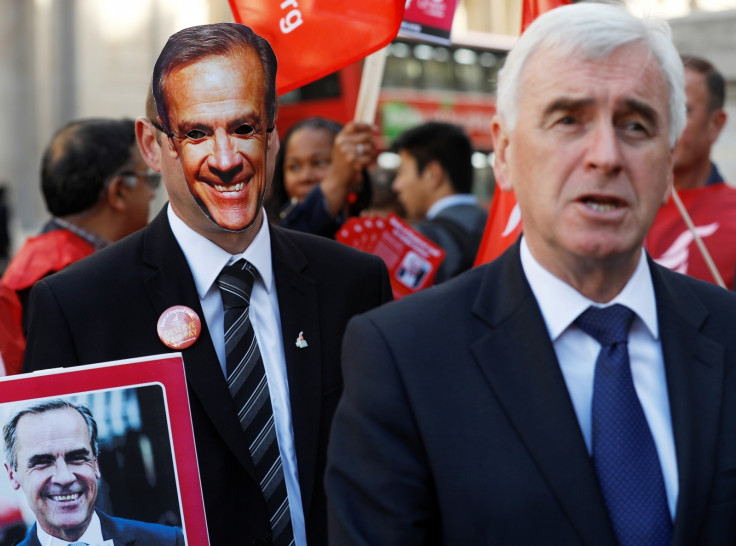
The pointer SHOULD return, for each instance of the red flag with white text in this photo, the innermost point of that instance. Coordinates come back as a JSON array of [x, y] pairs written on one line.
[[504, 218], [313, 38]]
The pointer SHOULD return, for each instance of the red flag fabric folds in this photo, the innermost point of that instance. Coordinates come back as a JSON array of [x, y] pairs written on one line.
[[711, 208], [531, 9], [503, 226], [312, 38]]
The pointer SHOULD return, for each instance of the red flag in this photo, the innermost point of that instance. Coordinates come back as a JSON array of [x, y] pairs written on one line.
[[312, 38], [504, 218], [531, 9], [503, 226]]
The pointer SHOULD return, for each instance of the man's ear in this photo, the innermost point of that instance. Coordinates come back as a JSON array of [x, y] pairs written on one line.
[[11, 475], [501, 154], [717, 120], [434, 174], [145, 134], [116, 196]]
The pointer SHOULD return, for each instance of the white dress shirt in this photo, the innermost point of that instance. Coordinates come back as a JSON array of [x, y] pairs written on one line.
[[92, 535], [206, 261], [577, 353]]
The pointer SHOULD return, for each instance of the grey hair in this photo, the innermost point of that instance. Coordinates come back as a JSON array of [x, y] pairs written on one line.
[[10, 430], [591, 30]]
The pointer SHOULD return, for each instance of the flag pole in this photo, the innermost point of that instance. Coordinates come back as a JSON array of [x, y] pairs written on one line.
[[698, 240], [370, 86]]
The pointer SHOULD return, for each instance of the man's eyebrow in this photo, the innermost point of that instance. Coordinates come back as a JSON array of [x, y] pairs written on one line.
[[46, 458], [77, 453], [565, 105], [643, 109], [41, 458]]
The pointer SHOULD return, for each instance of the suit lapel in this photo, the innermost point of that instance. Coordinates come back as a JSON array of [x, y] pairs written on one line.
[[171, 283], [299, 308], [694, 366], [518, 360]]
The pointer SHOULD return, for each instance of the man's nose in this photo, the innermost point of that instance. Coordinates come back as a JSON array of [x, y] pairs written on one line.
[[604, 149], [224, 156], [63, 474], [308, 173]]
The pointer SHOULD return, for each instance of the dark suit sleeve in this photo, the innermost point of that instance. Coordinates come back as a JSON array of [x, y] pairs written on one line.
[[378, 484], [49, 343]]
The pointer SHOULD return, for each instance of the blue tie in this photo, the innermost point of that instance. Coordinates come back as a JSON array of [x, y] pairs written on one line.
[[624, 454]]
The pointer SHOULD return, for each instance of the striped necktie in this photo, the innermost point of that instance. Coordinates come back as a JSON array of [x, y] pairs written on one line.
[[624, 454], [247, 383]]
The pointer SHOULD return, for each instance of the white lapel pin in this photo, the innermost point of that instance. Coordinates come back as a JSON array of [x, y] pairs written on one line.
[[300, 341]]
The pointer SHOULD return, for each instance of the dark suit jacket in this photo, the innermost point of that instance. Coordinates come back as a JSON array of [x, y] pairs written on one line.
[[456, 426], [458, 230], [106, 307], [126, 532]]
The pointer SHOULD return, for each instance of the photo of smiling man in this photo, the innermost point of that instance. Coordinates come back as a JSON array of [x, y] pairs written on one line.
[[51, 454]]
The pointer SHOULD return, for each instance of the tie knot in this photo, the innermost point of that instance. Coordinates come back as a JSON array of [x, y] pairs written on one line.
[[236, 283], [608, 325]]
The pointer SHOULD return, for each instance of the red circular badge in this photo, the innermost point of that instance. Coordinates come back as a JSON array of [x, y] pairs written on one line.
[[178, 327]]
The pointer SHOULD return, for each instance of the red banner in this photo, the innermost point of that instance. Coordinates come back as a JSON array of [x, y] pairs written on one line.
[[312, 38]]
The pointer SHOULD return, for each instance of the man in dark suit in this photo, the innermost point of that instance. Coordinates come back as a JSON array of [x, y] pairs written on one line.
[[214, 88], [434, 184], [486, 410], [51, 453]]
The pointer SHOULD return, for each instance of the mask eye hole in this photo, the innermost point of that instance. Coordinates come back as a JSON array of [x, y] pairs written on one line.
[[245, 130], [196, 135]]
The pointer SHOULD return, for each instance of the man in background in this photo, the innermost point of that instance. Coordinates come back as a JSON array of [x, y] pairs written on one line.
[[433, 183], [97, 188], [572, 391], [710, 202]]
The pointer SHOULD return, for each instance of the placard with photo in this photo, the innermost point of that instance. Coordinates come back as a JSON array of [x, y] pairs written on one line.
[[105, 448]]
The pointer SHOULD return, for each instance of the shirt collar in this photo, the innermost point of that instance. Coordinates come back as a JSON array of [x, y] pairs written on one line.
[[450, 201], [561, 304], [92, 535], [206, 259]]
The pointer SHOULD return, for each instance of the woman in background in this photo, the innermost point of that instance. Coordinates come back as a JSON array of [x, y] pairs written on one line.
[[320, 176]]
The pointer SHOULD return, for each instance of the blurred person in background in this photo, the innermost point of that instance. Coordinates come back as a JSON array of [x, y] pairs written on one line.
[[384, 199], [709, 201], [97, 188], [12, 340], [320, 176], [433, 184]]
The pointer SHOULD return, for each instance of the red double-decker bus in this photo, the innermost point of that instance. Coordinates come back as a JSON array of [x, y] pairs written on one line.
[[421, 82]]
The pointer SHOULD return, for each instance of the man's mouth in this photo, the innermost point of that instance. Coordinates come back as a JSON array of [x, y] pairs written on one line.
[[602, 204], [69, 497], [224, 189]]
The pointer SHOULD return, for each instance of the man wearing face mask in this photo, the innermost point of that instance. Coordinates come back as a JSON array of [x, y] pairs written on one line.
[[263, 359]]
